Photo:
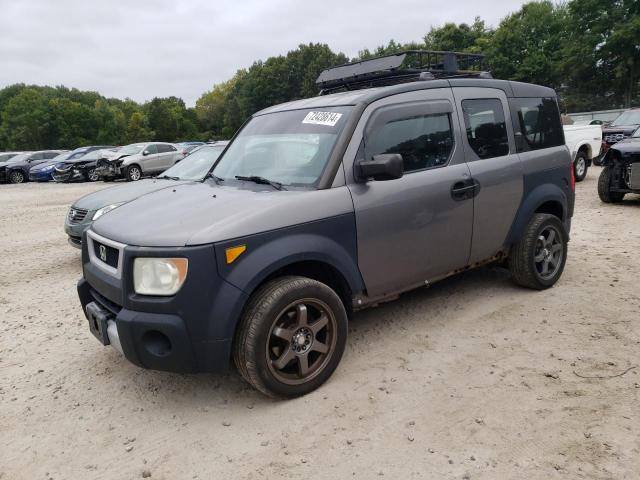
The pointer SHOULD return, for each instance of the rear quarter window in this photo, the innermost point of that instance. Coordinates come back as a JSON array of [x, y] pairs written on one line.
[[538, 123]]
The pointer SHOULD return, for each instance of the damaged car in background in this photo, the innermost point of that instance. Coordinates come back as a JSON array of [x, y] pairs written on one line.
[[621, 172], [81, 169], [139, 159]]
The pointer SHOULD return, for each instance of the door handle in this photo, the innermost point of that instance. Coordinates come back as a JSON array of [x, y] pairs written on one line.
[[465, 189]]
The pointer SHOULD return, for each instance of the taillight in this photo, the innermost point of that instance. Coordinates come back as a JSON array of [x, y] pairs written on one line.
[[573, 178]]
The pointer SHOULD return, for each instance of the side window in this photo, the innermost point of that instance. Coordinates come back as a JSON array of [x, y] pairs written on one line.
[[49, 155], [36, 156], [486, 128], [164, 148], [424, 141], [539, 123], [151, 149]]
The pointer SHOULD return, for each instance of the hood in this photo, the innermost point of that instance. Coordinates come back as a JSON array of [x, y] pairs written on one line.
[[626, 129], [628, 145], [202, 213], [123, 193], [42, 166]]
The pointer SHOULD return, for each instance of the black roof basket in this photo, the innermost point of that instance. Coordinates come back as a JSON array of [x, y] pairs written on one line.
[[402, 67]]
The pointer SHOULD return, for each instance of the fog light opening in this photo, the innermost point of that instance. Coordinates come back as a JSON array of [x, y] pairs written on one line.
[[157, 343]]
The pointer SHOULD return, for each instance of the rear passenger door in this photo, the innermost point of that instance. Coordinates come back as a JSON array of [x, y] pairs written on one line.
[[415, 229], [494, 164], [166, 156], [149, 160]]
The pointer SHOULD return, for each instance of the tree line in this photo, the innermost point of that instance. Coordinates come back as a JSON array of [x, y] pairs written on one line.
[[588, 50]]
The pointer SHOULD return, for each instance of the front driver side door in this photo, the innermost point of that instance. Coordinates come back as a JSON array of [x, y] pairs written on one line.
[[411, 230]]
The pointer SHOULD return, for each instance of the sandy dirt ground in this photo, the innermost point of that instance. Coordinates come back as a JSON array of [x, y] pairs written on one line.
[[473, 378]]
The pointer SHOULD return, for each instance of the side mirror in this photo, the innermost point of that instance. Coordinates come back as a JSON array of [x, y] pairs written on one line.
[[145, 153], [386, 166]]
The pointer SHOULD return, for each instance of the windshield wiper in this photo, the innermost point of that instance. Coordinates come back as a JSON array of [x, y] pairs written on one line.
[[169, 177], [260, 180]]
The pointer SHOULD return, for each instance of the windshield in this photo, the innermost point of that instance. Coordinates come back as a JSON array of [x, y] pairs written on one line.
[[196, 165], [92, 155], [132, 149], [630, 117], [636, 134], [291, 148]]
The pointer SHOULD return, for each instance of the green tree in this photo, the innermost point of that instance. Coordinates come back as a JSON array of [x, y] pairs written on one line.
[[25, 121], [527, 44], [601, 57], [138, 128], [458, 38]]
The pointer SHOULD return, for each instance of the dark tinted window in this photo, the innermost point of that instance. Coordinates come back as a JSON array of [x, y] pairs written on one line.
[[163, 148], [151, 149], [486, 128], [539, 123], [48, 155], [36, 156], [423, 141]]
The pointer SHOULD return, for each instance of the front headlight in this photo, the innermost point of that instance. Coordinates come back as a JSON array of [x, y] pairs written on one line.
[[159, 276], [104, 210]]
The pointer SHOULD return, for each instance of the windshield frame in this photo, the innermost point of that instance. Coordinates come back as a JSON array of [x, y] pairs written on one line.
[[327, 176]]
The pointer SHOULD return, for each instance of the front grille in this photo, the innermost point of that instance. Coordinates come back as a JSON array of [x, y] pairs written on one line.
[[76, 215], [613, 137], [106, 254]]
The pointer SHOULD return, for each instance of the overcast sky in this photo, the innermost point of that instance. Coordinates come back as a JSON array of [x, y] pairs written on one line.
[[145, 48]]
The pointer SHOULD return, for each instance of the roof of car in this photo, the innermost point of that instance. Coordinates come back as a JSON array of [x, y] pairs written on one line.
[[369, 95]]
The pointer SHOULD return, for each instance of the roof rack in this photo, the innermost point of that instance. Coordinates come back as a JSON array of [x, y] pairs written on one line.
[[402, 67]]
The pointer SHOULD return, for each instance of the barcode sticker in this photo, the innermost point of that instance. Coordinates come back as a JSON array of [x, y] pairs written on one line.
[[322, 118]]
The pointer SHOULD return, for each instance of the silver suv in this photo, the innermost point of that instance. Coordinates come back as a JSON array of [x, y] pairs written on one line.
[[323, 206], [134, 161]]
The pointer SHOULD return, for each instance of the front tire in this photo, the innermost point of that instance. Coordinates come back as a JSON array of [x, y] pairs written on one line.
[[604, 187], [17, 176], [92, 175], [580, 166], [133, 173], [291, 336], [538, 259]]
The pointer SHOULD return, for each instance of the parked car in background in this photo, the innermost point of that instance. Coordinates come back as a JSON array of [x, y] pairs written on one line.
[[187, 147], [621, 172], [17, 171], [4, 156], [82, 213], [6, 163], [43, 171], [622, 127], [139, 159], [81, 169], [584, 142]]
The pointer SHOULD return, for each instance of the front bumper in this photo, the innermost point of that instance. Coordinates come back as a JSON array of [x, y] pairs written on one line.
[[75, 230], [189, 332], [73, 174], [40, 176]]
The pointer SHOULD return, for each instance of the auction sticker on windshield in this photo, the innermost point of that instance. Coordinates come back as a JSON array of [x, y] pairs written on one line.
[[322, 118]]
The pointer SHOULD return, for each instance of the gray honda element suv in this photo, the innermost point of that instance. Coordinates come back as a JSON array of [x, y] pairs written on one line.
[[323, 206]]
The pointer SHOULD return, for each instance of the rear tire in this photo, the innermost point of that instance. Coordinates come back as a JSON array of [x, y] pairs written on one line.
[[580, 166], [291, 336], [133, 173], [17, 176], [604, 188], [538, 259]]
